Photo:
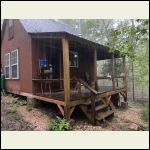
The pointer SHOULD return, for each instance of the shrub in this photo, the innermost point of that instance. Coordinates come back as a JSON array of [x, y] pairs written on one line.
[[9, 95], [3, 93], [145, 112], [22, 102], [14, 100], [58, 124], [29, 109], [11, 110], [104, 123]]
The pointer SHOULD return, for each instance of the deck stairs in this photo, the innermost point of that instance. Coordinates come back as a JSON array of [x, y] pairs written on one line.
[[97, 109], [101, 112]]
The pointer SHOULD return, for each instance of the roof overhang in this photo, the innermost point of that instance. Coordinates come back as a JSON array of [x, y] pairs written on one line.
[[102, 51]]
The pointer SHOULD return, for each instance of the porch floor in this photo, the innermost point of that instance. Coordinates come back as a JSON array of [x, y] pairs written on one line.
[[74, 95]]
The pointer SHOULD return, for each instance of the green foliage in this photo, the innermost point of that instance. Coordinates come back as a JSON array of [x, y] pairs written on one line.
[[58, 124], [13, 100], [96, 30], [107, 67], [105, 123], [10, 95], [3, 93], [22, 102], [132, 40], [145, 112], [130, 37], [11, 110], [29, 109]]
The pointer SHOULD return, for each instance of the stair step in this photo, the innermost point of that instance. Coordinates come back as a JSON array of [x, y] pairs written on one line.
[[104, 115], [112, 106], [89, 102], [99, 107]]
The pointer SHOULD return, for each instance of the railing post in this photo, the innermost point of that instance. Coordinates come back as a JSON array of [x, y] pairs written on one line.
[[93, 107], [95, 70]]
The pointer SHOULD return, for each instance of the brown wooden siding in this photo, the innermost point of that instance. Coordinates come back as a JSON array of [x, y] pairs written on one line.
[[22, 42]]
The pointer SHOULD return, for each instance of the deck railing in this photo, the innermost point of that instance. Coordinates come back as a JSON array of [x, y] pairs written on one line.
[[99, 95], [47, 82], [113, 80], [94, 93]]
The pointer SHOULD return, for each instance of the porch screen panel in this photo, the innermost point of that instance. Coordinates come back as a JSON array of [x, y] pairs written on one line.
[[73, 56]]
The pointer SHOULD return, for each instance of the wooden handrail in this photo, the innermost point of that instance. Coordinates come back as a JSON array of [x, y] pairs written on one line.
[[42, 80], [103, 77], [38, 80], [87, 86], [93, 97]]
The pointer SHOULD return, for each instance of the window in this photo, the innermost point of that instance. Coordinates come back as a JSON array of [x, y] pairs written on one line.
[[7, 66], [14, 64], [10, 29], [73, 56]]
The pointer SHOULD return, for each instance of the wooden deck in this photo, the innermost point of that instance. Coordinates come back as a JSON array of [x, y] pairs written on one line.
[[85, 99], [75, 97], [58, 97]]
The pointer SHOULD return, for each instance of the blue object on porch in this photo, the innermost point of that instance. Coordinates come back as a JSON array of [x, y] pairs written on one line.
[[43, 62]]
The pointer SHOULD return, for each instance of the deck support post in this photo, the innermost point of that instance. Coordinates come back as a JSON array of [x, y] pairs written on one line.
[[93, 108], [95, 70], [113, 71], [60, 68], [66, 72], [31, 102], [125, 78]]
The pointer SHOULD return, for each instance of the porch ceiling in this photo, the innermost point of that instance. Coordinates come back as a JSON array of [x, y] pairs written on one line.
[[102, 51]]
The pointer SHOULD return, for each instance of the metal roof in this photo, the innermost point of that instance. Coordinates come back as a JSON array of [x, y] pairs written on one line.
[[49, 27], [46, 25]]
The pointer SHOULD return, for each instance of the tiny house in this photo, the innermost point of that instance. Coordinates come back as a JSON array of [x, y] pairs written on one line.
[[47, 60]]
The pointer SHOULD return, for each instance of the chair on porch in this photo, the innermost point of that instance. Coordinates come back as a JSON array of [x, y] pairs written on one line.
[[45, 72]]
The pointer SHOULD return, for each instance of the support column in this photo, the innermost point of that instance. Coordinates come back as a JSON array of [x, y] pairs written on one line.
[[95, 70], [66, 71], [60, 68], [113, 71]]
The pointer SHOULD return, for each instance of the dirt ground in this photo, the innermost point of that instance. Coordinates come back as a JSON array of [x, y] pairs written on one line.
[[22, 118], [11, 120]]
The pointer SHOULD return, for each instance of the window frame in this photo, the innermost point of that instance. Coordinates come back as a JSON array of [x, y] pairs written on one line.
[[74, 52], [16, 50], [7, 66]]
